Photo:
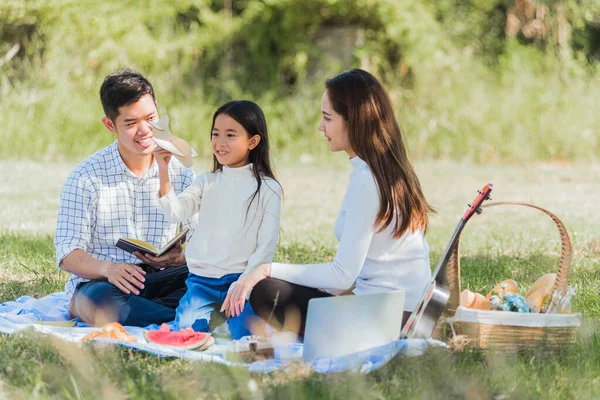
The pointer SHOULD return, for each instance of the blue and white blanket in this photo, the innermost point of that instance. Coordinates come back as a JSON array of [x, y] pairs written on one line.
[[28, 312]]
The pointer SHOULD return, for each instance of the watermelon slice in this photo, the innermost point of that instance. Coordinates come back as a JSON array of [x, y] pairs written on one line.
[[183, 339]]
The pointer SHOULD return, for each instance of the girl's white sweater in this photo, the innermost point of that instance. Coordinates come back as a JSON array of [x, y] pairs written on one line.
[[229, 238]]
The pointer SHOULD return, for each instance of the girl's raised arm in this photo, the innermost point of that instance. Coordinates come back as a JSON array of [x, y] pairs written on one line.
[[176, 208], [162, 159]]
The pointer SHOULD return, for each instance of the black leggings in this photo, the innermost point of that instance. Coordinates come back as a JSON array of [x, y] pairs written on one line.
[[283, 305]]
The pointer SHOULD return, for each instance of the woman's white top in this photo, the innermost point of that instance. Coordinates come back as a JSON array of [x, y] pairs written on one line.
[[377, 262], [229, 238]]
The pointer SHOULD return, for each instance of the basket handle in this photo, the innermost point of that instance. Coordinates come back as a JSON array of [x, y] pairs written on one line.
[[562, 274]]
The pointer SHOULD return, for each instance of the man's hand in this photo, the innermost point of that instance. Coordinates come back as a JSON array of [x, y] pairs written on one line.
[[172, 258], [127, 277]]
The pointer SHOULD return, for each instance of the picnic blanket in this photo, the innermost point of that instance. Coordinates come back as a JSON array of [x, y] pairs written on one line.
[[30, 313]]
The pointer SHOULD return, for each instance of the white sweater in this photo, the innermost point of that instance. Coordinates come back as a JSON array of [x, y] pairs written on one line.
[[228, 239], [375, 261]]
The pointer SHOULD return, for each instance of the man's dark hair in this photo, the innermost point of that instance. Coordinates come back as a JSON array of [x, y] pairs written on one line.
[[122, 88]]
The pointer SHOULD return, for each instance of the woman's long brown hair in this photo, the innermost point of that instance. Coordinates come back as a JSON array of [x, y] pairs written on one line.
[[376, 138]]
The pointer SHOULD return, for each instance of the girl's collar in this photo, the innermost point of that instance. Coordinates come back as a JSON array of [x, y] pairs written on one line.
[[246, 170]]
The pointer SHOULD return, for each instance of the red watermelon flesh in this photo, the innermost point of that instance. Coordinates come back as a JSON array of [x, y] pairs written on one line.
[[182, 339]]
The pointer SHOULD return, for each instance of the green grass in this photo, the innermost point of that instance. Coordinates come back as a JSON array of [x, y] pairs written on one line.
[[28, 267], [499, 244]]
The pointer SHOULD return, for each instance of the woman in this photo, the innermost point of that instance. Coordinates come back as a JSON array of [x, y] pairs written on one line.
[[381, 225]]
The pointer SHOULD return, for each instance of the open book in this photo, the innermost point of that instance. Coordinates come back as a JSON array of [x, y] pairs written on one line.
[[131, 245]]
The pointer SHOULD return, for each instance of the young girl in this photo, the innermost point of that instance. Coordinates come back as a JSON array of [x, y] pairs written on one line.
[[382, 222], [237, 205]]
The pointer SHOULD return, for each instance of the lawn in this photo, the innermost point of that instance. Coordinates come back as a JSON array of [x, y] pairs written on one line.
[[500, 244]]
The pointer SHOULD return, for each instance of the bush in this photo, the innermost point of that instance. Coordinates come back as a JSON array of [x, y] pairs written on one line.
[[462, 88]]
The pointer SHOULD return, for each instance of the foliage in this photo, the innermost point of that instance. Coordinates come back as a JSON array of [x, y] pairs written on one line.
[[464, 83]]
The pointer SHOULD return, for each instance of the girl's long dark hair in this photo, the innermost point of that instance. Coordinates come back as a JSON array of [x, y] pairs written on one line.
[[251, 117], [375, 136]]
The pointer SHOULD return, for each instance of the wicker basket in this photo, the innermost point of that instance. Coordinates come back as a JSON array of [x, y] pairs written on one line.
[[511, 331]]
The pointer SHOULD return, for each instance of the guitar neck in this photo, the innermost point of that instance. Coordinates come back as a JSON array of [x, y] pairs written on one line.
[[436, 295], [439, 274]]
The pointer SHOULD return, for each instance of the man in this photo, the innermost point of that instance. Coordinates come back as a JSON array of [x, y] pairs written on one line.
[[113, 194]]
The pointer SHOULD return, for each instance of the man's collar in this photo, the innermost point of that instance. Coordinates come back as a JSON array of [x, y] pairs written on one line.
[[117, 166]]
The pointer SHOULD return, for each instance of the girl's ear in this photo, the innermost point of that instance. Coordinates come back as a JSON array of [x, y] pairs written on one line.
[[254, 141]]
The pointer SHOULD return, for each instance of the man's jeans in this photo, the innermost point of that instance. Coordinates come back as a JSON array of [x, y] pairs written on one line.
[[97, 302], [203, 301]]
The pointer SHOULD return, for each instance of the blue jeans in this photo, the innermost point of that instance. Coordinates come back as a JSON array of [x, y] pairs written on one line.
[[203, 301], [98, 301]]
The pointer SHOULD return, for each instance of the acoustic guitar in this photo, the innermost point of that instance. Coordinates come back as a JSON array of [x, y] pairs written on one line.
[[435, 297]]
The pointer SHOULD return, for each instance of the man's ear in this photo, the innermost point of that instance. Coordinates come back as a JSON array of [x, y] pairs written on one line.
[[109, 124], [254, 141]]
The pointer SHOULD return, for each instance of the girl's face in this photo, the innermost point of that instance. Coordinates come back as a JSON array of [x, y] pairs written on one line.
[[334, 128], [231, 143]]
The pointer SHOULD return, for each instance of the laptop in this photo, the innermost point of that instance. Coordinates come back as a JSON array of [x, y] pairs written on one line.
[[340, 325]]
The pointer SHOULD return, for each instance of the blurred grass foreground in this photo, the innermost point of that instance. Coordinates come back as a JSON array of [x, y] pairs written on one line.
[[484, 80]]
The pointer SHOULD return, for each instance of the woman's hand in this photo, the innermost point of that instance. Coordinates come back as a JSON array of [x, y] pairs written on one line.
[[236, 299]]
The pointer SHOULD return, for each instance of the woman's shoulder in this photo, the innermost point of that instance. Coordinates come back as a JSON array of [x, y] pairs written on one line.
[[362, 186], [362, 176]]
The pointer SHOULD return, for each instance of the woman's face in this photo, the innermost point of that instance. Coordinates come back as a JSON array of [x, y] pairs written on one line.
[[334, 128]]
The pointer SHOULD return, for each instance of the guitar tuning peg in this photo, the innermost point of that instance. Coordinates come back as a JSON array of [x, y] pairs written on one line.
[[479, 210], [488, 197], [468, 205]]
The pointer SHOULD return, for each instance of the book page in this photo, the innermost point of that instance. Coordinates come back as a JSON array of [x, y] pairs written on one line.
[[175, 239], [141, 243]]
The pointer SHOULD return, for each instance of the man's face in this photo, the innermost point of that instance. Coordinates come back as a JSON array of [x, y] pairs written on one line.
[[134, 133]]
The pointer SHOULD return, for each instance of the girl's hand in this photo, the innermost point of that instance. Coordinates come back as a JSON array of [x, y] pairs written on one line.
[[236, 299], [162, 157]]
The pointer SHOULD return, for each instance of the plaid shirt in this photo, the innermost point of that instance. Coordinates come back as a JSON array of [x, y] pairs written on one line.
[[102, 201]]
